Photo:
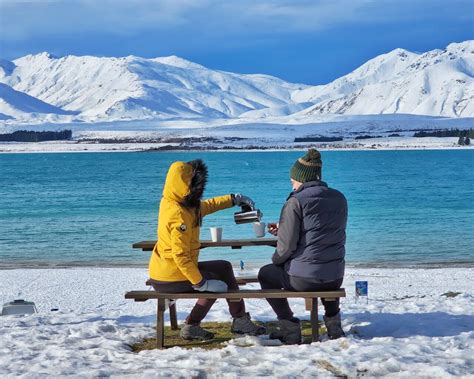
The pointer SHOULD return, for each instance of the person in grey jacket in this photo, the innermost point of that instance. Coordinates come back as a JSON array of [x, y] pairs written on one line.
[[311, 247]]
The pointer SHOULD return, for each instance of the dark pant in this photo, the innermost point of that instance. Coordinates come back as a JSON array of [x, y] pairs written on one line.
[[220, 270], [275, 277]]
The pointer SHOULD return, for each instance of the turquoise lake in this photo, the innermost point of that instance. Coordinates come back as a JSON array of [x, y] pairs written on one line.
[[405, 207]]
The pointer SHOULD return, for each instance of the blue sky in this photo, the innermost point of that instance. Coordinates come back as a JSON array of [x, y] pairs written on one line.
[[304, 41]]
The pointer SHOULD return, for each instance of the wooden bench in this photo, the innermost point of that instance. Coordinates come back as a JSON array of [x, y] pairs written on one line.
[[241, 281], [311, 300]]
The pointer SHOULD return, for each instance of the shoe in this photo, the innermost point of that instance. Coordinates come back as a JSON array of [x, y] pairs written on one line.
[[334, 327], [243, 325], [195, 332], [289, 332]]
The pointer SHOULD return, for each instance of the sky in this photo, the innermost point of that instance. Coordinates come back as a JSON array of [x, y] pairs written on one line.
[[305, 41]]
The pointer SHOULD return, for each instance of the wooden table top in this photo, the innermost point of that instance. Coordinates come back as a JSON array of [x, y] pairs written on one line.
[[233, 243]]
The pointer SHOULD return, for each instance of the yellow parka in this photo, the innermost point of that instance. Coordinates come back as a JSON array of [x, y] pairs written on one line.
[[175, 255]]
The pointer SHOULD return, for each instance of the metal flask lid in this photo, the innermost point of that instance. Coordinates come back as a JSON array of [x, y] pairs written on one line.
[[247, 215]]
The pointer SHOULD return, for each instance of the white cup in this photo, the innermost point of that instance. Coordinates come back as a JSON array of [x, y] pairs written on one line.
[[259, 228], [216, 234]]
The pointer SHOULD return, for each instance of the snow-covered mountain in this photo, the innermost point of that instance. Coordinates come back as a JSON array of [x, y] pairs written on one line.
[[87, 88], [436, 83], [138, 88], [21, 105]]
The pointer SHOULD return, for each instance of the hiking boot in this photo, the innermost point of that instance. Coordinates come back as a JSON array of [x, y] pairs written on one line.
[[289, 332], [334, 327], [243, 325], [195, 332]]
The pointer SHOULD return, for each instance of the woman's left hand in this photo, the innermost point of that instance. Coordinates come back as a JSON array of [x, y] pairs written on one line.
[[240, 200]]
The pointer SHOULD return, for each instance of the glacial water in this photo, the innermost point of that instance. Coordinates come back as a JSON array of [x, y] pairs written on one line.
[[405, 207]]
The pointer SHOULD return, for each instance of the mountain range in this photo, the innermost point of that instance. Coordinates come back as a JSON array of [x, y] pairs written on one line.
[[43, 88]]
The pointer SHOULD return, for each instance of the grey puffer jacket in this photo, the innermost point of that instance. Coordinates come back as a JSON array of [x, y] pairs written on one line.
[[312, 233]]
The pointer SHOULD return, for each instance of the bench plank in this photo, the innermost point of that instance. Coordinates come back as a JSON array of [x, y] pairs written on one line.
[[241, 281], [241, 294]]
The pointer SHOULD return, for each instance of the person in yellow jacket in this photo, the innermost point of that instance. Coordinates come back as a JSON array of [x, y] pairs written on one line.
[[174, 265]]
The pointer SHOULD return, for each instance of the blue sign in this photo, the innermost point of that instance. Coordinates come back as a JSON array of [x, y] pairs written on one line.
[[362, 288]]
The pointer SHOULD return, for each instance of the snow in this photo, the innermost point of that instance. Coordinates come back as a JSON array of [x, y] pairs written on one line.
[[16, 102], [406, 329], [369, 144], [439, 82], [151, 100], [269, 133], [139, 88], [97, 89]]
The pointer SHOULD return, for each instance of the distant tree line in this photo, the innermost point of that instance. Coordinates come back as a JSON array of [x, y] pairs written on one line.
[[446, 133], [318, 139], [465, 138], [366, 136], [33, 136]]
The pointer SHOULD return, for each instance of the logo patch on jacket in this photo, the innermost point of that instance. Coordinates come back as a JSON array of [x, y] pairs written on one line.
[[183, 227]]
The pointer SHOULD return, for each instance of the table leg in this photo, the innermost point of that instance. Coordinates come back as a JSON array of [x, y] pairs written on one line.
[[160, 324], [173, 316], [314, 320]]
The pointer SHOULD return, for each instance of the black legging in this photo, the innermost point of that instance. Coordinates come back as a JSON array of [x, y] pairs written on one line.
[[275, 277], [221, 270]]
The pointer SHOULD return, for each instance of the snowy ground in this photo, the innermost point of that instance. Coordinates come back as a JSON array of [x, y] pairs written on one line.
[[265, 133], [407, 329], [393, 143]]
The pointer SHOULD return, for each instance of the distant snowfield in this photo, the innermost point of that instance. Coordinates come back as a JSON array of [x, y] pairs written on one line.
[[407, 329], [270, 133], [370, 144]]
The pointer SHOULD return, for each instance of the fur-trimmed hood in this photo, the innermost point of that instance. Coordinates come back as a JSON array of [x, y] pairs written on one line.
[[197, 185], [185, 182]]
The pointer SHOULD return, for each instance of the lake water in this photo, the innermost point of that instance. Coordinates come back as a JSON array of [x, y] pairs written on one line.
[[405, 207]]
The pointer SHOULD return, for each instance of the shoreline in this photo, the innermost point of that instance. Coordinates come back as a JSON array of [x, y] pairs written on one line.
[[249, 265], [231, 150]]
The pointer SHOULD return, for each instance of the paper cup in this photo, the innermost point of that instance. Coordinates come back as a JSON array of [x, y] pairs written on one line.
[[216, 234], [259, 228]]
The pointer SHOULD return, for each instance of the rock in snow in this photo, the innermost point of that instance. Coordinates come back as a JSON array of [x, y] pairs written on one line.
[[435, 83]]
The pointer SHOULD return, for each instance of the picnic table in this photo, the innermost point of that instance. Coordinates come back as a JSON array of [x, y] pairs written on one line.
[[168, 300], [232, 243]]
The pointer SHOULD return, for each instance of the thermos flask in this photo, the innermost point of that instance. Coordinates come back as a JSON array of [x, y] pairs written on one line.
[[247, 215]]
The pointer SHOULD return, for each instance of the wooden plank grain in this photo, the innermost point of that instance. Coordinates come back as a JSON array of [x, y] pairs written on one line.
[[241, 294], [232, 243], [241, 280]]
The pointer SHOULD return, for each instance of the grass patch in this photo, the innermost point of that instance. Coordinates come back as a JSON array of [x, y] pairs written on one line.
[[221, 332]]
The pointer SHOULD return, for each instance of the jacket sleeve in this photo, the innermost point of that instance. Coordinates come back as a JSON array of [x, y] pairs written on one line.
[[288, 231], [181, 250], [215, 204]]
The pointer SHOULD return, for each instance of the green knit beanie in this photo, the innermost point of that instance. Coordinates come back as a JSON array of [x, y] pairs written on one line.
[[307, 168]]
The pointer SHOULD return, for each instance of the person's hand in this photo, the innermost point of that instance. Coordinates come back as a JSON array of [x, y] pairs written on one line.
[[273, 228], [212, 285], [240, 200]]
